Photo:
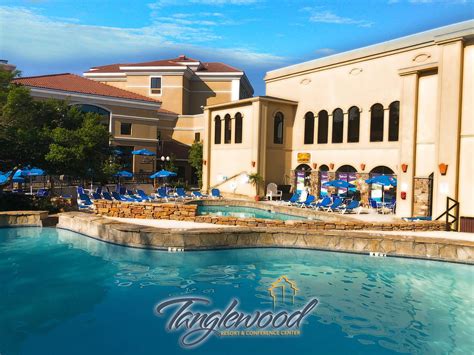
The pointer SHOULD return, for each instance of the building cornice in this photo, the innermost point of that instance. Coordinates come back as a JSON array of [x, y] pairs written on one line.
[[250, 101]]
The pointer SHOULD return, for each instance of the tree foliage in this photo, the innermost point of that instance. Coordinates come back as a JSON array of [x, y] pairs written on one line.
[[50, 134], [195, 160]]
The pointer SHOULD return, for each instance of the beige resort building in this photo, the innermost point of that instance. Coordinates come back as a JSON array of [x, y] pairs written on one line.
[[403, 107], [154, 105]]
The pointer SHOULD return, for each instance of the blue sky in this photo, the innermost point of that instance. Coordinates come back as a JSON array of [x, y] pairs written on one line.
[[48, 36]]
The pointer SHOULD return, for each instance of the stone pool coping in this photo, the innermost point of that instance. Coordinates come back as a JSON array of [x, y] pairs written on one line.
[[23, 218], [364, 242]]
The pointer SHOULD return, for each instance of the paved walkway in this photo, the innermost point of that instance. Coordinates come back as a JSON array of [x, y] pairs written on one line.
[[166, 223]]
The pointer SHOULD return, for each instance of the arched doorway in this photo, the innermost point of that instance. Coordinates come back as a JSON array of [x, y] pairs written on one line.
[[381, 193], [349, 174], [302, 177]]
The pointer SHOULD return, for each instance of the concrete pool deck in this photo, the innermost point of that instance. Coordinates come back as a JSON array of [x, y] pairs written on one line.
[[436, 245]]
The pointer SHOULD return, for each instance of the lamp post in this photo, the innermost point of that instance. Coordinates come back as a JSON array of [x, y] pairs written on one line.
[[163, 159]]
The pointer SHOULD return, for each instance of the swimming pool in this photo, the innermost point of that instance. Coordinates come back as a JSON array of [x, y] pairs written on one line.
[[244, 212], [64, 293]]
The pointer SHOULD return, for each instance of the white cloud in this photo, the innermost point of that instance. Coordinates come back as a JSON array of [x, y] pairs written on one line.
[[324, 51], [326, 16], [37, 39]]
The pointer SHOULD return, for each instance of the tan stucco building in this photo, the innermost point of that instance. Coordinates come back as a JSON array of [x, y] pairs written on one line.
[[403, 107]]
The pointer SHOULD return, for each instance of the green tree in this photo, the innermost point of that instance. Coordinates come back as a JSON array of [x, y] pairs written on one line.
[[195, 160]]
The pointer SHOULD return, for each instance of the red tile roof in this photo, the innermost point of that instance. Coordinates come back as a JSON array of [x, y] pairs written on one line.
[[78, 84], [204, 67]]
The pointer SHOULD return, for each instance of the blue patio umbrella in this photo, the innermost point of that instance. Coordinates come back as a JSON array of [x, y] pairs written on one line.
[[124, 174], [341, 184], [28, 172], [143, 152], [162, 174]]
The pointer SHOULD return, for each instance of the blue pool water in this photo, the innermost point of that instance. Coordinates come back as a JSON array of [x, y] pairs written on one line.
[[244, 212], [63, 293]]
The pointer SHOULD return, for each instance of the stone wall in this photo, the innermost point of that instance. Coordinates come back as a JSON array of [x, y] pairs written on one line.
[[421, 188], [361, 241], [187, 212]]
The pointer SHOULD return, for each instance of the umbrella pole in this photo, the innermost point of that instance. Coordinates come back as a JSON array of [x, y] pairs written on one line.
[[31, 186]]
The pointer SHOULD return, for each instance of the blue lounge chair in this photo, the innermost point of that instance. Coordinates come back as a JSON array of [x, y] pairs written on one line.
[[293, 199], [121, 198], [335, 205], [308, 202], [130, 194], [198, 194], [350, 207], [42, 193], [161, 193], [96, 196], [80, 190], [143, 195], [84, 202], [181, 193], [324, 203], [106, 195], [216, 193]]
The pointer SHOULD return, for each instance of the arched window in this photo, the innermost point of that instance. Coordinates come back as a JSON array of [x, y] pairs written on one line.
[[309, 128], [238, 127], [376, 123], [227, 129], [105, 121], [393, 121], [382, 170], [337, 125], [278, 128], [217, 130], [353, 125], [323, 124]]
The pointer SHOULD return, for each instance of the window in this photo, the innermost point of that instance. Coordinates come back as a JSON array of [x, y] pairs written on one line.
[[227, 129], [125, 158], [393, 121], [217, 130], [337, 125], [309, 128], [155, 86], [238, 127], [125, 129], [278, 128], [353, 125], [158, 135], [323, 125], [376, 123], [197, 137]]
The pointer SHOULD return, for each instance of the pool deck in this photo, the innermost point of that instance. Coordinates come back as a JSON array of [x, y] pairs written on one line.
[[187, 235]]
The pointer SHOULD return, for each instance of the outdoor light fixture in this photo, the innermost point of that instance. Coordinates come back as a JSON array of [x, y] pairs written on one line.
[[331, 166], [404, 167], [443, 168], [163, 158], [362, 166], [204, 162], [315, 166], [253, 164]]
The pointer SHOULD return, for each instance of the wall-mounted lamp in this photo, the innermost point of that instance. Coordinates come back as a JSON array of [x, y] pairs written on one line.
[[204, 162], [443, 168], [253, 163], [362, 166], [331, 166], [404, 167], [315, 165]]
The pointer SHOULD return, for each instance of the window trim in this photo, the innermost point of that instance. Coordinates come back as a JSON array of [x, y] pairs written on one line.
[[349, 124], [275, 129], [308, 116], [342, 126], [161, 87], [239, 116]]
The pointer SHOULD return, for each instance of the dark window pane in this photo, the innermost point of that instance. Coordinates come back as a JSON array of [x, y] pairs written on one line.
[[394, 121], [156, 83], [376, 123], [217, 130], [337, 125], [323, 125], [309, 128], [125, 129], [278, 129], [197, 137], [238, 127], [353, 125], [227, 129]]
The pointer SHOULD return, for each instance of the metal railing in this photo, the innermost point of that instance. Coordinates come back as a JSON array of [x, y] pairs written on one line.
[[452, 218]]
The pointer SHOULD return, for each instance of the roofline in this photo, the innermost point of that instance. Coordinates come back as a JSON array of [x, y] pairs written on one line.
[[76, 94], [251, 100], [463, 29]]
